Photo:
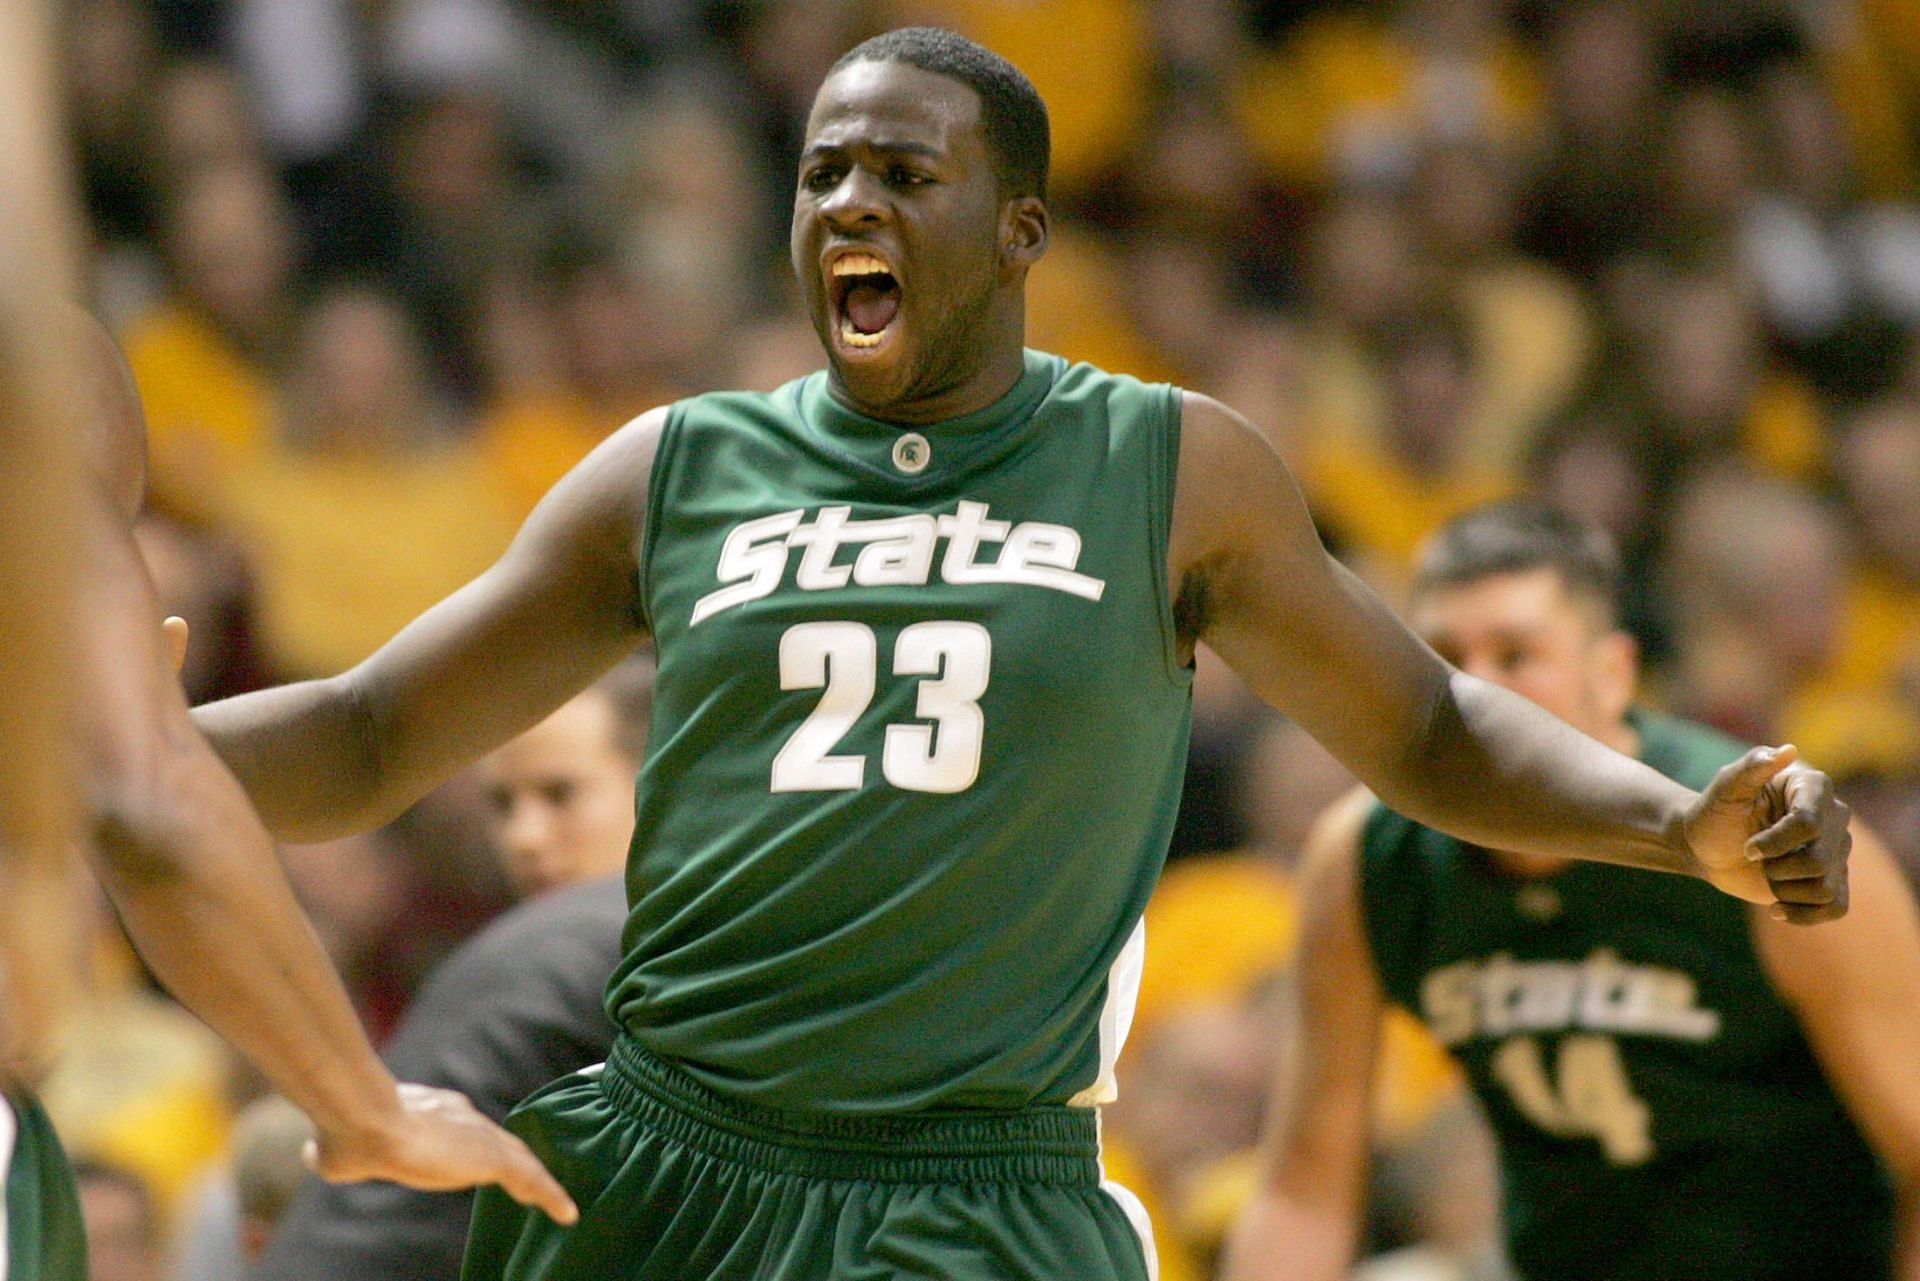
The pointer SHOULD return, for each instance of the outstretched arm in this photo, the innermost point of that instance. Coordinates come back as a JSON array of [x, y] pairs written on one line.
[[1303, 1220], [326, 758], [1856, 988], [1444, 748], [201, 891]]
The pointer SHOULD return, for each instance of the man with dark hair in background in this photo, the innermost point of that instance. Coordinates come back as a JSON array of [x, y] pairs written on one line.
[[1681, 1087], [925, 624]]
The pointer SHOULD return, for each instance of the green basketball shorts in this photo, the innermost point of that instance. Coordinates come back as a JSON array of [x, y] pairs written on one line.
[[677, 1183]]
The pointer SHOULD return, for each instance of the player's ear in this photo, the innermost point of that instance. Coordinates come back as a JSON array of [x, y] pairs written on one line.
[[1023, 232]]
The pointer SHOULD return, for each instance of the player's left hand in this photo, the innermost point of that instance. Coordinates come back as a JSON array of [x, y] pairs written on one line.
[[438, 1142], [1771, 832]]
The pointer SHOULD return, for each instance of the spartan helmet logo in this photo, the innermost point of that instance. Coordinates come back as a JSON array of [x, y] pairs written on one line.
[[912, 453]]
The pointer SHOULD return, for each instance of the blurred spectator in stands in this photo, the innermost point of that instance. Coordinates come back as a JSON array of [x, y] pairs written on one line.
[[571, 357], [1707, 181], [268, 1139], [1355, 90], [206, 357], [204, 120], [1711, 390], [111, 58], [372, 462], [124, 1237], [1383, 486], [677, 198], [1591, 196], [1837, 275], [237, 1209], [1757, 646], [1529, 321], [466, 211]]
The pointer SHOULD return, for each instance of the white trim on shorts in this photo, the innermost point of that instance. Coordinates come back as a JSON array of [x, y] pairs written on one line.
[[9, 1136]]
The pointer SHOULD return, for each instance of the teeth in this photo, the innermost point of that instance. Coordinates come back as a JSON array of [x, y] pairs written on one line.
[[854, 338], [858, 265]]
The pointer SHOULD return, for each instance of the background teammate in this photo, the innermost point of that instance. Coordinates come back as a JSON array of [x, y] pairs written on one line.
[[1680, 1087]]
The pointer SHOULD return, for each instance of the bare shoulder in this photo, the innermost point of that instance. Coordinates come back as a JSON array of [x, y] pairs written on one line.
[[1235, 498]]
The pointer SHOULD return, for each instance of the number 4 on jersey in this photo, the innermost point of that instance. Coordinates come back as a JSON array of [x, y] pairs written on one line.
[[843, 658], [1592, 1097]]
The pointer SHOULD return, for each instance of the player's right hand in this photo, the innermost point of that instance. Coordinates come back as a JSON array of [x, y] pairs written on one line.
[[439, 1142]]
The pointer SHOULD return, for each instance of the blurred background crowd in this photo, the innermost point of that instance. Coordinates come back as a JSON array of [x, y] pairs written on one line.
[[385, 269]]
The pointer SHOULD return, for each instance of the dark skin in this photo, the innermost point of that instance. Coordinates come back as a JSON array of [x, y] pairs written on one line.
[[896, 165]]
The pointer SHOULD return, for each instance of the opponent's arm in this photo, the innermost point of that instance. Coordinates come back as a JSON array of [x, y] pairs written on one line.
[[1303, 1220], [1855, 986], [1444, 748], [326, 758]]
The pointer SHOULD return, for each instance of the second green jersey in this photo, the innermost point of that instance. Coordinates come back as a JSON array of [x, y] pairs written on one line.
[[919, 730], [1658, 1112], [42, 1237]]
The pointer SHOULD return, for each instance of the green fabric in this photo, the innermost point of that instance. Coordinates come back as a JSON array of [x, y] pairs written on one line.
[[902, 881], [675, 1183], [1660, 1116], [45, 1237]]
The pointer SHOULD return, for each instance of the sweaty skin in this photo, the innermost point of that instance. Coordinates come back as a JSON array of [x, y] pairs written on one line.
[[200, 889], [895, 165]]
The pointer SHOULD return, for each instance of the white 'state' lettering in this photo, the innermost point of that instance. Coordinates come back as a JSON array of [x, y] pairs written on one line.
[[896, 551], [1500, 996]]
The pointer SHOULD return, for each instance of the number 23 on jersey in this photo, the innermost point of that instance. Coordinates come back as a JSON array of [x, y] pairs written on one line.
[[843, 660]]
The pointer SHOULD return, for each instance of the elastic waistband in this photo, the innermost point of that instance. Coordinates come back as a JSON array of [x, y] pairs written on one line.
[[1055, 1145]]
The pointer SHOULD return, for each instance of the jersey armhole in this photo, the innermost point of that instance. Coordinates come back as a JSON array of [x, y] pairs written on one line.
[[657, 480], [1160, 496], [1368, 875]]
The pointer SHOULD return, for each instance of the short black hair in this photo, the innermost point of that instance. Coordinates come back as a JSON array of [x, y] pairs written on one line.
[[1514, 537], [1011, 109]]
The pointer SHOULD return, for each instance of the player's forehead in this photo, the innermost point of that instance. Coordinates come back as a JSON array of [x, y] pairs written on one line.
[[896, 104]]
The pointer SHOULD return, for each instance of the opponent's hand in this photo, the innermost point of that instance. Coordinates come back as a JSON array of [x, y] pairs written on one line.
[[1776, 835], [440, 1142]]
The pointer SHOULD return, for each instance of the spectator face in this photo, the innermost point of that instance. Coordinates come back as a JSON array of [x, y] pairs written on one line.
[[562, 798], [1527, 633]]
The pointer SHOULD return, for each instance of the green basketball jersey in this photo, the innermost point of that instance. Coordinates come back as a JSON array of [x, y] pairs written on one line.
[[917, 744], [1658, 1112], [43, 1237]]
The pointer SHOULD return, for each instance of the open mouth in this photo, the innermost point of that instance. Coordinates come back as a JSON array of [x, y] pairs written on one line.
[[866, 299]]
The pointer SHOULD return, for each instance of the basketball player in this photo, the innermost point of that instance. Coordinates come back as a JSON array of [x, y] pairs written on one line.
[[1682, 1089], [925, 623]]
